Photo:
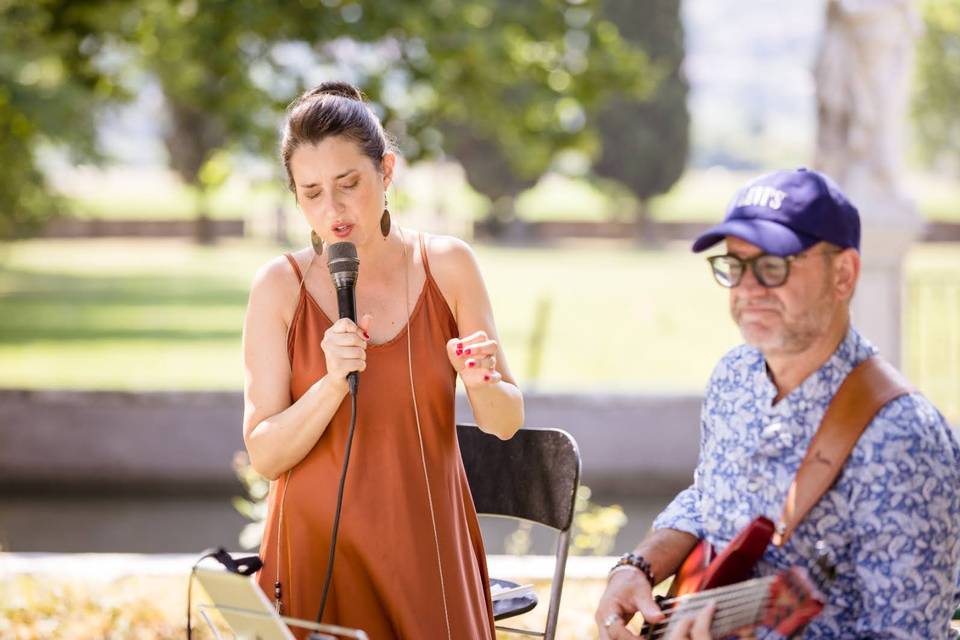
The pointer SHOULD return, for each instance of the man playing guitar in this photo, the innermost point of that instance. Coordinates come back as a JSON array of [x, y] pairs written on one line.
[[891, 520]]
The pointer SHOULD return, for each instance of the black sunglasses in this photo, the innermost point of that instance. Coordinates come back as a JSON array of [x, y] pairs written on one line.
[[769, 270]]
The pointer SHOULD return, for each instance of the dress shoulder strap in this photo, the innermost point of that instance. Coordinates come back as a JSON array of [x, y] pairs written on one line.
[[296, 267], [423, 254], [867, 389]]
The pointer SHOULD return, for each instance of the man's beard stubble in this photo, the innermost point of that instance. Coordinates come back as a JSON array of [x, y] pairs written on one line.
[[793, 335]]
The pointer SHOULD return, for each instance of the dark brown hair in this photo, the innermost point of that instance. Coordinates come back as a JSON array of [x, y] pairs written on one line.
[[332, 109]]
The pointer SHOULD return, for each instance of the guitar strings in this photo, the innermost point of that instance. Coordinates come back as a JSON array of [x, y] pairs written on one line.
[[738, 604], [755, 584], [729, 619]]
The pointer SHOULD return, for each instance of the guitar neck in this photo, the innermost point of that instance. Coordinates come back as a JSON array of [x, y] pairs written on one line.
[[739, 607]]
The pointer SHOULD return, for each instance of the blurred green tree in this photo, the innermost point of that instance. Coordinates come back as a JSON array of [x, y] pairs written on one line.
[[49, 90], [201, 53], [937, 85], [500, 85], [507, 80], [645, 142]]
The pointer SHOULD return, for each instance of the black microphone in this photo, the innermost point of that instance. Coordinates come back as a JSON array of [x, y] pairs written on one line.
[[344, 267]]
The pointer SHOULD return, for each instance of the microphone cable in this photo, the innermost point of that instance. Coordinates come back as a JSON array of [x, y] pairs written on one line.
[[336, 515]]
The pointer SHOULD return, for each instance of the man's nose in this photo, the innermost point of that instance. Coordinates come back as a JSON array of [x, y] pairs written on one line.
[[749, 285]]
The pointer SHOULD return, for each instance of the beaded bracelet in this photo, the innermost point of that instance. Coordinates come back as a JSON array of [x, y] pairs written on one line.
[[636, 561]]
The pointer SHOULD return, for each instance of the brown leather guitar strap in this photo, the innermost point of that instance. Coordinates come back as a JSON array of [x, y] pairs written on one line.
[[871, 385]]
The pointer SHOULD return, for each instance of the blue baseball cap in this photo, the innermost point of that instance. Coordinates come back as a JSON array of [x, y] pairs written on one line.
[[787, 212]]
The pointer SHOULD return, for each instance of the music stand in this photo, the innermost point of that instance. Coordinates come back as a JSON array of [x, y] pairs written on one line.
[[250, 615]]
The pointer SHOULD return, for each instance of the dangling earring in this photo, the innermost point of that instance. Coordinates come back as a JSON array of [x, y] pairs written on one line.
[[385, 220], [317, 243]]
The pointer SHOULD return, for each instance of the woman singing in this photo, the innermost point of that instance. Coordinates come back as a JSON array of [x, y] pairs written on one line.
[[409, 556]]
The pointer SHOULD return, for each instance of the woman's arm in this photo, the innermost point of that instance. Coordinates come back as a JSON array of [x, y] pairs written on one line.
[[496, 401], [279, 434]]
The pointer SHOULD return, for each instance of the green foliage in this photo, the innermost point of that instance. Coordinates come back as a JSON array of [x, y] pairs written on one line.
[[49, 87], [645, 141], [512, 81], [595, 527], [519, 80], [501, 85], [937, 84], [201, 53]]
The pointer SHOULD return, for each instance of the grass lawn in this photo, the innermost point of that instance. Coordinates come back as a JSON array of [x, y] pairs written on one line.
[[167, 314], [109, 314]]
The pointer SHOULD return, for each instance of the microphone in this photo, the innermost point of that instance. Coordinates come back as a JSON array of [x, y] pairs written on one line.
[[344, 267]]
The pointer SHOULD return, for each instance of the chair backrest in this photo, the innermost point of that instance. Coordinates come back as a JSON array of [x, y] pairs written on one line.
[[533, 476]]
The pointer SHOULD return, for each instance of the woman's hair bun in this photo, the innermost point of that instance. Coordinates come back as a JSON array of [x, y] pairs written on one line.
[[337, 88]]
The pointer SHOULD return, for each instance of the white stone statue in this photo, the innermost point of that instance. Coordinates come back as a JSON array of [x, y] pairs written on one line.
[[862, 73]]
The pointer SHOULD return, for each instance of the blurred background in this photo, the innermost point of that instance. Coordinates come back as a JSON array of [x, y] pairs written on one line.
[[579, 145]]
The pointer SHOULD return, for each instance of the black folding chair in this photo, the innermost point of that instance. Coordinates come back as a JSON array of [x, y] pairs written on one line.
[[534, 477]]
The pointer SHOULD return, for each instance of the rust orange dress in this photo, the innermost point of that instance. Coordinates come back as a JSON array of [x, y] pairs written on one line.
[[387, 579]]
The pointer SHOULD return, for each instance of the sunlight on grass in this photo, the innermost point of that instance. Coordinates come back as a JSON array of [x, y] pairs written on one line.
[[167, 314]]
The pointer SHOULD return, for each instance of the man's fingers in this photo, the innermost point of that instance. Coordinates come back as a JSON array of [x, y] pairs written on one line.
[[690, 626], [618, 630], [648, 607], [701, 624], [680, 629]]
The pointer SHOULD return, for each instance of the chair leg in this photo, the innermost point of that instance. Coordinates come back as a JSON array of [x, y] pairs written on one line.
[[556, 586]]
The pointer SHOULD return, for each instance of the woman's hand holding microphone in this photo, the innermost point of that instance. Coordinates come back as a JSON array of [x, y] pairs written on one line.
[[345, 347]]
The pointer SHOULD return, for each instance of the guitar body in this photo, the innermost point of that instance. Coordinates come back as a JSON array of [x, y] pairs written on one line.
[[785, 602], [691, 572], [703, 569]]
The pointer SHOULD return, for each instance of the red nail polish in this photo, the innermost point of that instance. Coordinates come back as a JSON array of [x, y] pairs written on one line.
[[486, 378], [471, 363], [366, 335], [468, 351]]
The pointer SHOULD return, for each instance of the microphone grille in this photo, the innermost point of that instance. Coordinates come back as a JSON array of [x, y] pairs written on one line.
[[342, 258]]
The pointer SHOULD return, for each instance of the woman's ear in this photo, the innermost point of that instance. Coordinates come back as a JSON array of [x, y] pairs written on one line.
[[387, 164]]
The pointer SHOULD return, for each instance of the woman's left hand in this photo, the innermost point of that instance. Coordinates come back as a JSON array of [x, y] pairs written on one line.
[[475, 359]]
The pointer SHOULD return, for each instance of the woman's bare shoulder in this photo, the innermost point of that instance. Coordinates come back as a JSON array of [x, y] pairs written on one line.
[[276, 285], [447, 253], [454, 267]]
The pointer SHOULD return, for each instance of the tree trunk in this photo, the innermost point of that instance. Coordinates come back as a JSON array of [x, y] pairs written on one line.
[[205, 233], [644, 232]]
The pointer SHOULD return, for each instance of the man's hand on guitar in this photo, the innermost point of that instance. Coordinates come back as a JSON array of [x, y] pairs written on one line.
[[628, 592], [694, 627]]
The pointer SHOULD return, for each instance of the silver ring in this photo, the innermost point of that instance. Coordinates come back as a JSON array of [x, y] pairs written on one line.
[[610, 619]]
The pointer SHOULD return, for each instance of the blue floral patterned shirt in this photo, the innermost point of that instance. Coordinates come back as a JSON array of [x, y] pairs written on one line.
[[892, 519]]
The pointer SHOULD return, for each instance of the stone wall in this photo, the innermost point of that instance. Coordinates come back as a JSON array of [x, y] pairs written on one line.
[[178, 441]]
